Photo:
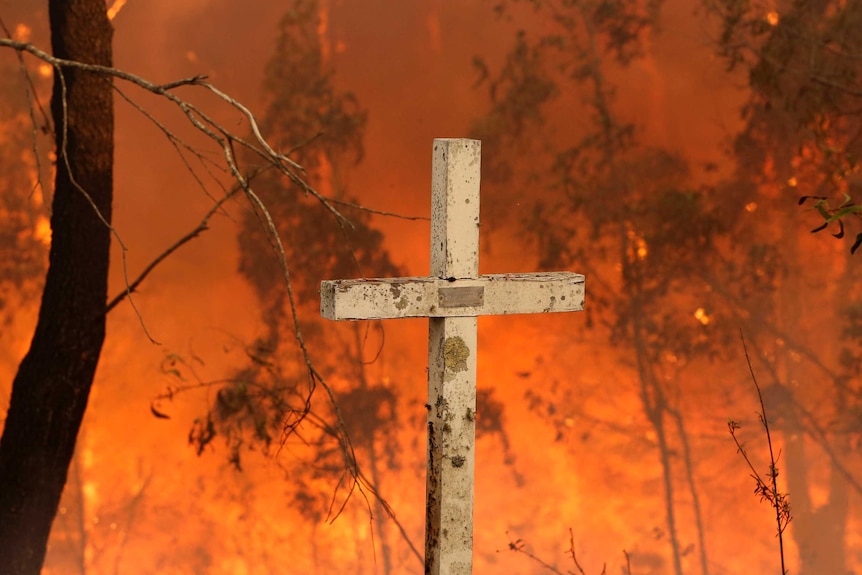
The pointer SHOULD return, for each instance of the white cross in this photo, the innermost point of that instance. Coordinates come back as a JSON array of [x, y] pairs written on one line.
[[452, 297]]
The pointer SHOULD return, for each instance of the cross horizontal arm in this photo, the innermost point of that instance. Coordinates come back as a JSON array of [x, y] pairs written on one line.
[[496, 294]]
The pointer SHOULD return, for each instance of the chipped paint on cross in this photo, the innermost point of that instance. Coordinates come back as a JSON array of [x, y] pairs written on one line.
[[455, 355], [452, 297]]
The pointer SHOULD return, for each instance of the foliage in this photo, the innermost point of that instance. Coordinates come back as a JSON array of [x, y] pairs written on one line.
[[654, 244], [262, 401], [804, 65]]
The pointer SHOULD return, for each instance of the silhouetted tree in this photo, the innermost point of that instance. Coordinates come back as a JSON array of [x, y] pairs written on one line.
[[627, 215], [51, 388], [803, 65], [803, 139], [273, 393]]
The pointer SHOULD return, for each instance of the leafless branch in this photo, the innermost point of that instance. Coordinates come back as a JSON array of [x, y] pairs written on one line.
[[192, 234], [378, 212], [228, 142], [519, 546]]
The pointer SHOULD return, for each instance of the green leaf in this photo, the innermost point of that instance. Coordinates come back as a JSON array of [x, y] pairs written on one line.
[[843, 212]]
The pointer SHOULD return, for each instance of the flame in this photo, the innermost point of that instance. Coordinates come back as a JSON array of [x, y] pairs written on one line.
[[22, 32], [639, 251], [43, 230], [772, 18], [246, 523], [642, 249], [323, 29], [115, 8]]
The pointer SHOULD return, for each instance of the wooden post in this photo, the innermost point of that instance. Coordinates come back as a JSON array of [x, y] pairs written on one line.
[[452, 297]]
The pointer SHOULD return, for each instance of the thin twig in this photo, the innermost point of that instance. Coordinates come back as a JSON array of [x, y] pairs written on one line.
[[199, 229], [519, 546], [572, 552], [378, 212], [226, 141]]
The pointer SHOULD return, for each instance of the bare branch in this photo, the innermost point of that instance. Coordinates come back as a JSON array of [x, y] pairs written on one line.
[[227, 141], [198, 230]]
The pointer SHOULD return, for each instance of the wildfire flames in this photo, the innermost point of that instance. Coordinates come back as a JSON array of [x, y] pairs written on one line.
[[565, 441]]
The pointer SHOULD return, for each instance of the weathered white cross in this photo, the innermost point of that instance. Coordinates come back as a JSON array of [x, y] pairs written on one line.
[[452, 297]]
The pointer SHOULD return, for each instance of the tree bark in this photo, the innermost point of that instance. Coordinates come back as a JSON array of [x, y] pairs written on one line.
[[51, 388]]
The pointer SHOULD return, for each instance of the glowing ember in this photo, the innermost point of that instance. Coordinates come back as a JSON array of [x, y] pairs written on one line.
[[22, 32], [772, 18], [701, 316], [43, 230]]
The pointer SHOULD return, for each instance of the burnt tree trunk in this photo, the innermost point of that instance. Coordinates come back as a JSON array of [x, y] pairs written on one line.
[[50, 390]]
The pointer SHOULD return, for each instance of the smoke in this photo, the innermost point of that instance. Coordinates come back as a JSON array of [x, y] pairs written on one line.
[[567, 444]]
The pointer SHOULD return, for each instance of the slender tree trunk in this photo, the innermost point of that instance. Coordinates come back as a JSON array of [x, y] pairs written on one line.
[[50, 390], [688, 460], [379, 515], [655, 407]]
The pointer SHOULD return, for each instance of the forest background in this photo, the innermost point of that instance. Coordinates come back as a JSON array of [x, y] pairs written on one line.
[[660, 149]]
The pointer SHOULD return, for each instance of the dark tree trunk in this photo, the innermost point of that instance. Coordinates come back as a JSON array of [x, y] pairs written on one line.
[[50, 390]]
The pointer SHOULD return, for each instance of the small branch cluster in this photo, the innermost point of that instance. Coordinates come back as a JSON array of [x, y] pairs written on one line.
[[766, 489], [520, 546], [836, 215]]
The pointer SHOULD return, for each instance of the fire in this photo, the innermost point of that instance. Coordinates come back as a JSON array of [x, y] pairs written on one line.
[[701, 316], [115, 8], [567, 446], [43, 230], [22, 32]]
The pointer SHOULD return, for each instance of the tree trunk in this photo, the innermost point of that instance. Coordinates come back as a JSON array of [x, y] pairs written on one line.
[[50, 390]]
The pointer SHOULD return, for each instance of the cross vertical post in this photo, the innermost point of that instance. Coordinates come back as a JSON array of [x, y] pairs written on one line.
[[452, 297], [452, 362]]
